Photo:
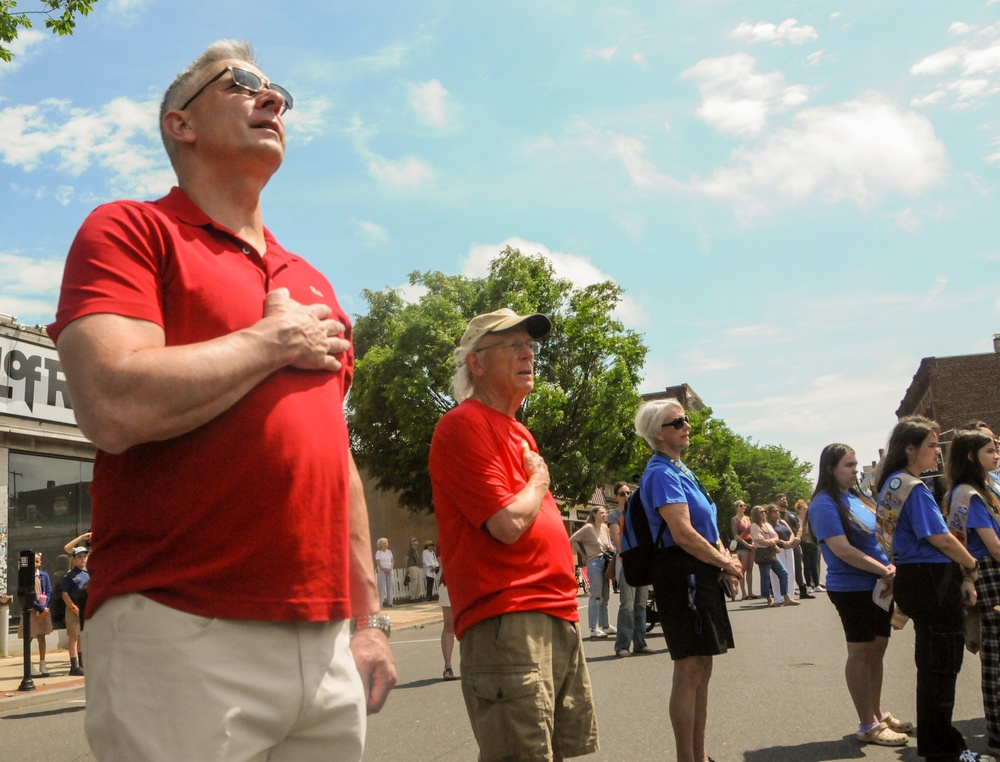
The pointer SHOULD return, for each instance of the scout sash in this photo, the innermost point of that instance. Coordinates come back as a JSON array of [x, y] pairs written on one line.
[[956, 510], [890, 505]]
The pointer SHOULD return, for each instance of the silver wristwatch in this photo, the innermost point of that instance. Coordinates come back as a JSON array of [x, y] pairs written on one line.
[[376, 621]]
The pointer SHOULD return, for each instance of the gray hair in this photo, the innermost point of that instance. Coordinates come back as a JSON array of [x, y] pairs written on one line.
[[379, 541], [220, 50], [462, 383], [649, 418]]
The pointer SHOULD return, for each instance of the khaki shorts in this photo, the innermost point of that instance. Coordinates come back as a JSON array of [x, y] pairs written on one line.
[[527, 689], [72, 623]]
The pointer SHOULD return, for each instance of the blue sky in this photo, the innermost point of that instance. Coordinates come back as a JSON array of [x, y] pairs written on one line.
[[798, 198]]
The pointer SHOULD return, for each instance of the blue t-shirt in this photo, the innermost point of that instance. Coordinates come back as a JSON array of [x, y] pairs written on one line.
[[664, 483], [979, 516], [824, 519], [75, 583], [919, 519]]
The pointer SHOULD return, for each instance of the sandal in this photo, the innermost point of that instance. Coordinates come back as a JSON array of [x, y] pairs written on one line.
[[900, 726], [882, 735], [448, 674]]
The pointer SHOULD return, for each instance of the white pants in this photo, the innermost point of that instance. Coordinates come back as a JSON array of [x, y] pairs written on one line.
[[787, 556], [166, 685]]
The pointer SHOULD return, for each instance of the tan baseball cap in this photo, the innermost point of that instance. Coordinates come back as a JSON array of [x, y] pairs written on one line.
[[502, 320]]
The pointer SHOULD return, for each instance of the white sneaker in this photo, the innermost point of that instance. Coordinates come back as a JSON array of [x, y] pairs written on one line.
[[820, 588], [598, 633], [610, 629]]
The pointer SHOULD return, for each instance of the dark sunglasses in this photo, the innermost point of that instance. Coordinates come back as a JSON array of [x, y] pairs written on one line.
[[248, 81], [623, 493], [677, 423]]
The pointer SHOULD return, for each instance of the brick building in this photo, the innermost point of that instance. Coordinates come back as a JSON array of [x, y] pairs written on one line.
[[954, 390]]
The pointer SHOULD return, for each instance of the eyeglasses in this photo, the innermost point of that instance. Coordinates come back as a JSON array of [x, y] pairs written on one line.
[[677, 423], [248, 81], [515, 344], [624, 493]]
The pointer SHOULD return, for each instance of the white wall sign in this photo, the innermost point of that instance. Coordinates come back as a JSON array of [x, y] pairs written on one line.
[[32, 384]]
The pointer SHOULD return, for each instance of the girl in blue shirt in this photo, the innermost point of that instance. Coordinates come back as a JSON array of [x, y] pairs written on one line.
[[934, 576], [845, 528], [971, 457]]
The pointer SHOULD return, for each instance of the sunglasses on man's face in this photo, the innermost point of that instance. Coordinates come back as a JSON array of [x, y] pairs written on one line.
[[623, 493], [248, 81], [677, 423]]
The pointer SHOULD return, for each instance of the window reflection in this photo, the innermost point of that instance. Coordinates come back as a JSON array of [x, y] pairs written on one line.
[[48, 505]]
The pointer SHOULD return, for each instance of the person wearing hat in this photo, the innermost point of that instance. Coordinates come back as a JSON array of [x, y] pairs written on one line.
[[431, 567], [507, 556], [74, 594]]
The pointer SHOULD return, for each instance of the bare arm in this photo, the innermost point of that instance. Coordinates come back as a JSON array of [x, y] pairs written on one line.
[[849, 554], [68, 547], [509, 523], [678, 518], [616, 537], [128, 387], [951, 547], [990, 540], [369, 646]]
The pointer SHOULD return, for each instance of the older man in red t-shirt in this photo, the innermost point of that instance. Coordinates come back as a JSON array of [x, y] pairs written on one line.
[[209, 366], [506, 555]]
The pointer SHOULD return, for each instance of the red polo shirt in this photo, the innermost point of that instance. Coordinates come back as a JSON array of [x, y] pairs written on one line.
[[245, 517]]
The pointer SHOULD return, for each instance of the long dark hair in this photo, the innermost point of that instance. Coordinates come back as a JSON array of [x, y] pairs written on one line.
[[827, 483], [911, 430], [963, 466]]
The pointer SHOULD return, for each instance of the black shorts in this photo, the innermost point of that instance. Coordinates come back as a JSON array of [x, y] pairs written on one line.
[[692, 605], [862, 618]]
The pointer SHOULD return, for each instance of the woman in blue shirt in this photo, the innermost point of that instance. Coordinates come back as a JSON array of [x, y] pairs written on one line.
[[972, 503], [691, 569], [934, 576], [844, 525]]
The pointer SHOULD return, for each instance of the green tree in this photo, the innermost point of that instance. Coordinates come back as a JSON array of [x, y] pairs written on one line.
[[586, 375], [60, 18]]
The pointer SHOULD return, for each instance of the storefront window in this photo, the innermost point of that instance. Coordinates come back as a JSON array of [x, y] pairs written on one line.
[[48, 505]]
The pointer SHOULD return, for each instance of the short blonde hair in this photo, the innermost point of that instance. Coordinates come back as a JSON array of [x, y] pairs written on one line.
[[220, 50]]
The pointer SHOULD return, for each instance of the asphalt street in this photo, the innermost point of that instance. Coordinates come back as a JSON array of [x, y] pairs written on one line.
[[780, 695]]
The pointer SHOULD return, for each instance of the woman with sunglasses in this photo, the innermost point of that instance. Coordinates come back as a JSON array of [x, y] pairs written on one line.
[[739, 527], [843, 521], [935, 575], [767, 546], [692, 568], [973, 512]]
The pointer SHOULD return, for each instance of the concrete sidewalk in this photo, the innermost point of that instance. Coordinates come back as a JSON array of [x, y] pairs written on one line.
[[404, 616]]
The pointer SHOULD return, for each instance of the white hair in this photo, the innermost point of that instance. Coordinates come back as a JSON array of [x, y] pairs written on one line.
[[462, 383], [649, 418]]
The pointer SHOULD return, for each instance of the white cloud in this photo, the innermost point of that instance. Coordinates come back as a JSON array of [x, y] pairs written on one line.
[[27, 311], [606, 53], [932, 296], [699, 360], [815, 59], [127, 10], [970, 71], [409, 172], [959, 28], [429, 100], [307, 120], [766, 331], [121, 138], [23, 48], [859, 151], [579, 270], [24, 275], [736, 98], [777, 34], [928, 100], [906, 219], [372, 234]]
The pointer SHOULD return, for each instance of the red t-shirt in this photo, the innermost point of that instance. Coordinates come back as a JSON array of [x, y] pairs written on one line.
[[476, 469], [246, 517]]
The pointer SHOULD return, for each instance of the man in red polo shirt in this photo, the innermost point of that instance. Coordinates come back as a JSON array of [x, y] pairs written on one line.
[[209, 366]]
